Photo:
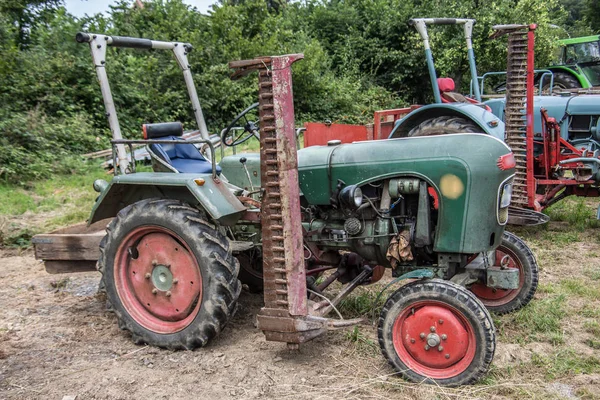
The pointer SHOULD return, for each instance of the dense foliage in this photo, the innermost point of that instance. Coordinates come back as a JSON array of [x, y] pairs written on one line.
[[360, 55]]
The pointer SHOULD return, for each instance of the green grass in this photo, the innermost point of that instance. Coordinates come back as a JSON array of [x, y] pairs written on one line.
[[582, 288], [362, 304], [592, 327], [576, 211], [50, 194], [562, 238], [566, 362], [361, 342], [538, 321], [590, 311], [46, 205]]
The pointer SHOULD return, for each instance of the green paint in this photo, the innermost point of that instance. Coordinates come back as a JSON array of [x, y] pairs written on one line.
[[578, 40], [465, 223], [214, 197], [233, 169]]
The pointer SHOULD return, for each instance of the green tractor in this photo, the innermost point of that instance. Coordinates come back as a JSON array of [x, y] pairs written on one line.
[[578, 64], [430, 209]]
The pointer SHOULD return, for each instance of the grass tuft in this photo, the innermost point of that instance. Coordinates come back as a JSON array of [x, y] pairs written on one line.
[[576, 212], [538, 321]]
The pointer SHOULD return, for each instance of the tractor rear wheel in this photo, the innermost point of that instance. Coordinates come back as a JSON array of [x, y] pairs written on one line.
[[437, 332], [562, 81], [516, 254], [443, 126], [169, 274]]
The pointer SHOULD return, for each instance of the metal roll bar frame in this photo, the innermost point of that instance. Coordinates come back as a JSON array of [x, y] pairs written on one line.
[[98, 44]]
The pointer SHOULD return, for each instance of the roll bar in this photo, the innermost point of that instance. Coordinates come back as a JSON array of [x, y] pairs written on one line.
[[98, 44], [131, 42], [420, 25]]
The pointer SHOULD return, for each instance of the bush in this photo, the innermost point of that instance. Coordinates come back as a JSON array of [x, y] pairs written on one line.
[[35, 146]]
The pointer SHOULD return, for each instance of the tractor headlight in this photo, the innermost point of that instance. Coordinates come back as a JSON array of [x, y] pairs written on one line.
[[351, 196], [505, 195]]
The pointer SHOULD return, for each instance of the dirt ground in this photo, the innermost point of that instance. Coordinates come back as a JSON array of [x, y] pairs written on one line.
[[57, 340]]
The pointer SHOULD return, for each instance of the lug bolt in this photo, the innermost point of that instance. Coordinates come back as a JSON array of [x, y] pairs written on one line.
[[422, 335], [444, 336], [175, 280], [154, 263], [147, 275], [427, 347], [154, 291], [441, 321], [168, 294], [432, 329], [412, 340], [168, 265], [440, 348], [447, 356]]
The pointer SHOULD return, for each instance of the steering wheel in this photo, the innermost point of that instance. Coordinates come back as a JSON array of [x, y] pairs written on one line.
[[230, 138]]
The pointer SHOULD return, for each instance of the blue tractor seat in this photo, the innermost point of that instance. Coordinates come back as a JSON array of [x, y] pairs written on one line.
[[178, 157]]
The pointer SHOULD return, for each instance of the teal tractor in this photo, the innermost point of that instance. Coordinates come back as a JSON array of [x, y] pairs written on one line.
[[429, 209], [558, 152], [451, 112]]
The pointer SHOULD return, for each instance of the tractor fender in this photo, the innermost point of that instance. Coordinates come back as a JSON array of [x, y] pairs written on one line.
[[487, 121], [201, 190], [581, 78]]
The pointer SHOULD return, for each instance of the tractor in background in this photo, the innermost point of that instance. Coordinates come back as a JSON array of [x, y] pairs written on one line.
[[555, 139], [578, 64], [170, 243]]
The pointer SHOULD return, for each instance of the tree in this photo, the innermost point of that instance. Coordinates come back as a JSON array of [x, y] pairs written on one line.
[[24, 14]]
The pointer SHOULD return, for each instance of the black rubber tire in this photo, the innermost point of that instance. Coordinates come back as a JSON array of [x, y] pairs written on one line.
[[218, 269], [513, 244], [563, 80], [460, 299], [443, 126]]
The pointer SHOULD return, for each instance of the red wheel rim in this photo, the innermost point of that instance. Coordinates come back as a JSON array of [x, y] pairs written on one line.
[[498, 297], [434, 339], [158, 279]]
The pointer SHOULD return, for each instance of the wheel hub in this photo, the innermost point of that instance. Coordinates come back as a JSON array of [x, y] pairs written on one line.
[[433, 340], [162, 278], [446, 342]]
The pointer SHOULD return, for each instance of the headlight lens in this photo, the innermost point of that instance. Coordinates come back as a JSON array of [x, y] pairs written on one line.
[[351, 196], [506, 195], [358, 196]]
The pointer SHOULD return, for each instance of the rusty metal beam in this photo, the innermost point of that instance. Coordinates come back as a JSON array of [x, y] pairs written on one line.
[[285, 315]]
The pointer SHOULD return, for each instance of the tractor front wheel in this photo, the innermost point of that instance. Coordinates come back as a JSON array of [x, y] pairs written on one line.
[[437, 332], [169, 274], [513, 252], [443, 126]]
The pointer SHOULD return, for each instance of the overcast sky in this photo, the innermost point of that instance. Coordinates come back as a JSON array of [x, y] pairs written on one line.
[[81, 7]]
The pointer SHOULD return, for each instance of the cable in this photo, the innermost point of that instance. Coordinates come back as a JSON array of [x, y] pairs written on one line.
[[329, 301]]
